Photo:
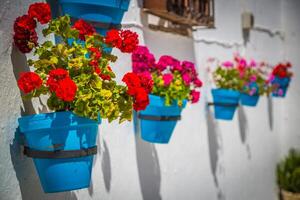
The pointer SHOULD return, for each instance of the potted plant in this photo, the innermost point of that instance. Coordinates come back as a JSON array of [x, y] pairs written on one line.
[[288, 176], [174, 83], [254, 81], [79, 83], [280, 79], [102, 14], [226, 96]]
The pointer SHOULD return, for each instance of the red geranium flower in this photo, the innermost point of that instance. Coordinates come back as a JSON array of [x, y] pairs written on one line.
[[146, 81], [105, 77], [129, 41], [94, 63], [29, 81], [138, 88], [66, 89], [84, 28], [40, 11], [132, 81], [95, 52], [24, 23], [125, 40], [25, 41], [113, 38], [25, 37], [55, 76], [141, 99], [281, 70], [97, 70]]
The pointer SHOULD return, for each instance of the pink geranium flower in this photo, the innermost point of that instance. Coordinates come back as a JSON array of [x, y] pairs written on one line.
[[195, 96], [167, 61], [242, 62], [142, 60], [227, 64], [253, 63], [168, 78], [252, 91], [253, 78], [198, 82], [280, 92], [270, 78], [186, 79]]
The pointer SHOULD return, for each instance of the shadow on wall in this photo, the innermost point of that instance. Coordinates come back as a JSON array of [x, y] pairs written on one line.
[[214, 150], [106, 167], [19, 63], [148, 167], [29, 182], [270, 111], [243, 125]]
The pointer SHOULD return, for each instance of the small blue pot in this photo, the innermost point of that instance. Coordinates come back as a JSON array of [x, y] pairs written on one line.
[[158, 131], [248, 100], [109, 12], [225, 103], [281, 85], [60, 131]]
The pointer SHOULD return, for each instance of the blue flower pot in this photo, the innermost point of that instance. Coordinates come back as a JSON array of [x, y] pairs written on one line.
[[159, 131], [97, 12], [225, 103], [60, 131], [281, 85], [248, 100]]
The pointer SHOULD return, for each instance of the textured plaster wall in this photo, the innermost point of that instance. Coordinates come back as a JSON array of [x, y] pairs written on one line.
[[206, 159]]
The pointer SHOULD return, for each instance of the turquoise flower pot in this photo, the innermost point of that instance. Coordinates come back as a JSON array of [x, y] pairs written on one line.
[[225, 103], [282, 85], [157, 121], [58, 134], [248, 100]]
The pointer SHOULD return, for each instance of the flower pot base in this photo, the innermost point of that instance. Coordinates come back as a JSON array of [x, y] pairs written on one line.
[[248, 100], [289, 195]]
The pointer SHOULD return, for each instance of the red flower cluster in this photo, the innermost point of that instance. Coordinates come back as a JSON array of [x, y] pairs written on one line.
[[29, 81], [113, 38], [138, 88], [55, 76], [95, 55], [281, 70], [125, 40], [84, 29], [146, 81], [24, 23], [40, 11], [25, 37], [66, 90], [60, 82], [95, 52], [94, 62], [130, 41]]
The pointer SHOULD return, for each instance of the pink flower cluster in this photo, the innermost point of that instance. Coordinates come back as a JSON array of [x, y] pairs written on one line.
[[240, 64], [144, 61], [168, 61]]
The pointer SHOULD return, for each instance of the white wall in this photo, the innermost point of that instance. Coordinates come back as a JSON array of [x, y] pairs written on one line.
[[205, 159]]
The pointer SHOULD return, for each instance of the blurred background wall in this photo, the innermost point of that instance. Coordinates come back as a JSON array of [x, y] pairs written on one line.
[[205, 159]]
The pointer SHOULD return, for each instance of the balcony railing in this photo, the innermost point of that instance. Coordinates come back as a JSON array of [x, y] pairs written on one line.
[[184, 12]]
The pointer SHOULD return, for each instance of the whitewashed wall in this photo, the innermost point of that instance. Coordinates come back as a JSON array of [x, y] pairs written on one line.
[[205, 159]]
